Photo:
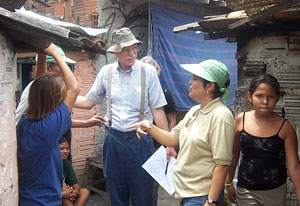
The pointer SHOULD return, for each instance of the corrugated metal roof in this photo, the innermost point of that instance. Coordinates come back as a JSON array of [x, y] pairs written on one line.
[[30, 30]]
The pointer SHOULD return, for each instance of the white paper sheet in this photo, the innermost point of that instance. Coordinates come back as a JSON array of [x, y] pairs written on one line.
[[156, 167]]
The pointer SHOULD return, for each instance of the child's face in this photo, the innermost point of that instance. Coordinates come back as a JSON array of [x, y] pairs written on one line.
[[64, 150], [264, 98]]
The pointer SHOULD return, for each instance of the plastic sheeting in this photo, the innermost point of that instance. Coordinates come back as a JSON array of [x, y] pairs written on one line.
[[170, 50]]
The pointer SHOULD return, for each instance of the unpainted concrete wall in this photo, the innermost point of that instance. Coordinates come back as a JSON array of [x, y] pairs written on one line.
[[8, 143]]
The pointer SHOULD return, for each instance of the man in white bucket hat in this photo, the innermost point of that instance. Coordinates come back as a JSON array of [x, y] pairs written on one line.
[[133, 93]]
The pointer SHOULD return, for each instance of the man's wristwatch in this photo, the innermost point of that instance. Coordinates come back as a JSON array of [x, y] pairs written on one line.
[[210, 201]]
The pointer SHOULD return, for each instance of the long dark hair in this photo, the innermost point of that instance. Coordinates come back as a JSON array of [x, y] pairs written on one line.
[[45, 94], [266, 79]]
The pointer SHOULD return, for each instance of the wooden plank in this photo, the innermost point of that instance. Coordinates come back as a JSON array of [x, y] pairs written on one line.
[[275, 45], [269, 38], [294, 47], [100, 192], [218, 24], [262, 15], [294, 39], [186, 27], [213, 24]]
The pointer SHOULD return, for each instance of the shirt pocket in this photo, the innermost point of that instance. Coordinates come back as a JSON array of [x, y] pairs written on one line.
[[136, 100]]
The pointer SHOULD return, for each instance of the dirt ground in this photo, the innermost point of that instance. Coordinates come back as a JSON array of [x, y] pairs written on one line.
[[164, 199]]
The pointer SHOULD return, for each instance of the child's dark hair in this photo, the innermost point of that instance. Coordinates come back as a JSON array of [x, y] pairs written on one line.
[[266, 79], [217, 93], [62, 139]]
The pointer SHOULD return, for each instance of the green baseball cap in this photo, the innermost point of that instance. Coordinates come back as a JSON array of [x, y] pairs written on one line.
[[212, 71], [62, 53]]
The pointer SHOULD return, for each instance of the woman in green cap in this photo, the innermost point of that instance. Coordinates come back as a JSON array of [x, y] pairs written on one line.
[[205, 137]]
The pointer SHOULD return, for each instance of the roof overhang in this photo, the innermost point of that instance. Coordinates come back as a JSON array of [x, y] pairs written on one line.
[[30, 31], [231, 25]]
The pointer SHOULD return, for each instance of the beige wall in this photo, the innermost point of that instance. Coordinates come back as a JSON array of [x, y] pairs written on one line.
[[8, 144]]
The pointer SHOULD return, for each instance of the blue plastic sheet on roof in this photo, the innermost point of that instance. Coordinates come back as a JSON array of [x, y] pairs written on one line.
[[171, 49]]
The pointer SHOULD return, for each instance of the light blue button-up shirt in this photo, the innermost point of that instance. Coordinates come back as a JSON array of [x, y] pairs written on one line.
[[126, 93]]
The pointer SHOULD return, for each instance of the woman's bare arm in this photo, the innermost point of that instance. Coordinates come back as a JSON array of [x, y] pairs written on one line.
[[72, 85]]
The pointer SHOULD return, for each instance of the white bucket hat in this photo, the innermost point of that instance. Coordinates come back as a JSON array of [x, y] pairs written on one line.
[[122, 38]]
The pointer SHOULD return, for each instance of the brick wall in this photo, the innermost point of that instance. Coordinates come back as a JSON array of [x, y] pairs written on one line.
[[81, 12], [83, 141], [8, 143]]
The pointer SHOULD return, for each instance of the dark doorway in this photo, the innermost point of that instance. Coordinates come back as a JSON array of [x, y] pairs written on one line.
[[25, 73]]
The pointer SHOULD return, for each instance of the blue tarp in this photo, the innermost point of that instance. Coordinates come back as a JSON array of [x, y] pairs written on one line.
[[170, 50]]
